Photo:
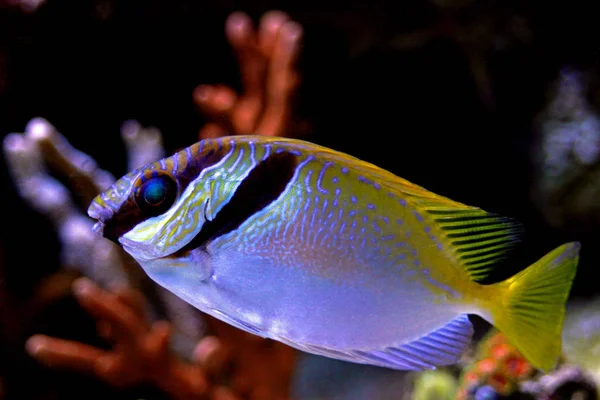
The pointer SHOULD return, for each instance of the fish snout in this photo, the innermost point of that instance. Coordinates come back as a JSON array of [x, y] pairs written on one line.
[[100, 213]]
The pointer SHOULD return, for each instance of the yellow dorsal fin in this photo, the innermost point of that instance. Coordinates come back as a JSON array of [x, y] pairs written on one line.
[[477, 239], [473, 238]]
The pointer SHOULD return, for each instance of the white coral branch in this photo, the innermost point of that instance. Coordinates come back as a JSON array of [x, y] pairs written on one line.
[[99, 259]]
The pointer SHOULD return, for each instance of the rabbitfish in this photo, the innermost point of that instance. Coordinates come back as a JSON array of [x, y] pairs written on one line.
[[332, 255]]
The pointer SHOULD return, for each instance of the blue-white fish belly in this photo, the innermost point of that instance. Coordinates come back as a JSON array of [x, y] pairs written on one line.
[[287, 303]]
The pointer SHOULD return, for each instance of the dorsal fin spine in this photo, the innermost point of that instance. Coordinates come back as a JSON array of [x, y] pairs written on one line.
[[476, 239]]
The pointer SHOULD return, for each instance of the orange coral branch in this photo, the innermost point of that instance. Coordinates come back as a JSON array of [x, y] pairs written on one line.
[[267, 59]]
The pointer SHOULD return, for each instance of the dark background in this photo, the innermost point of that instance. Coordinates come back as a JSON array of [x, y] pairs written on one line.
[[87, 65]]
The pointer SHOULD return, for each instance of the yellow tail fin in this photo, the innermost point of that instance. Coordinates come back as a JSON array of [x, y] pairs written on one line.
[[531, 308]]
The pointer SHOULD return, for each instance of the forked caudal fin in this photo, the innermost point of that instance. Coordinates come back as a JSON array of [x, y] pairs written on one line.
[[531, 307]]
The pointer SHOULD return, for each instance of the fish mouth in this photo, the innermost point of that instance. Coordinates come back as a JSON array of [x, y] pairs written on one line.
[[102, 214], [98, 228]]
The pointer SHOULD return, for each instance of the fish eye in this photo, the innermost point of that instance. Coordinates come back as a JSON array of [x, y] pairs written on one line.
[[156, 194]]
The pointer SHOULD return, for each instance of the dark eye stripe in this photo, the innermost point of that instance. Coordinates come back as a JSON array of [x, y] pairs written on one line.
[[263, 185], [188, 165]]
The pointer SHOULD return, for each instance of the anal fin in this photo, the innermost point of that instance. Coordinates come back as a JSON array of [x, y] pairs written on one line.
[[444, 346], [238, 323]]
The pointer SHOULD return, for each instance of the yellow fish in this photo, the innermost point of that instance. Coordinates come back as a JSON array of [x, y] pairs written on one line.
[[332, 255]]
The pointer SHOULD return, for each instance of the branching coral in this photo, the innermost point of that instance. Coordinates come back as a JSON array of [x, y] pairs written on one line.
[[568, 156], [225, 366], [227, 363], [101, 260], [267, 59]]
